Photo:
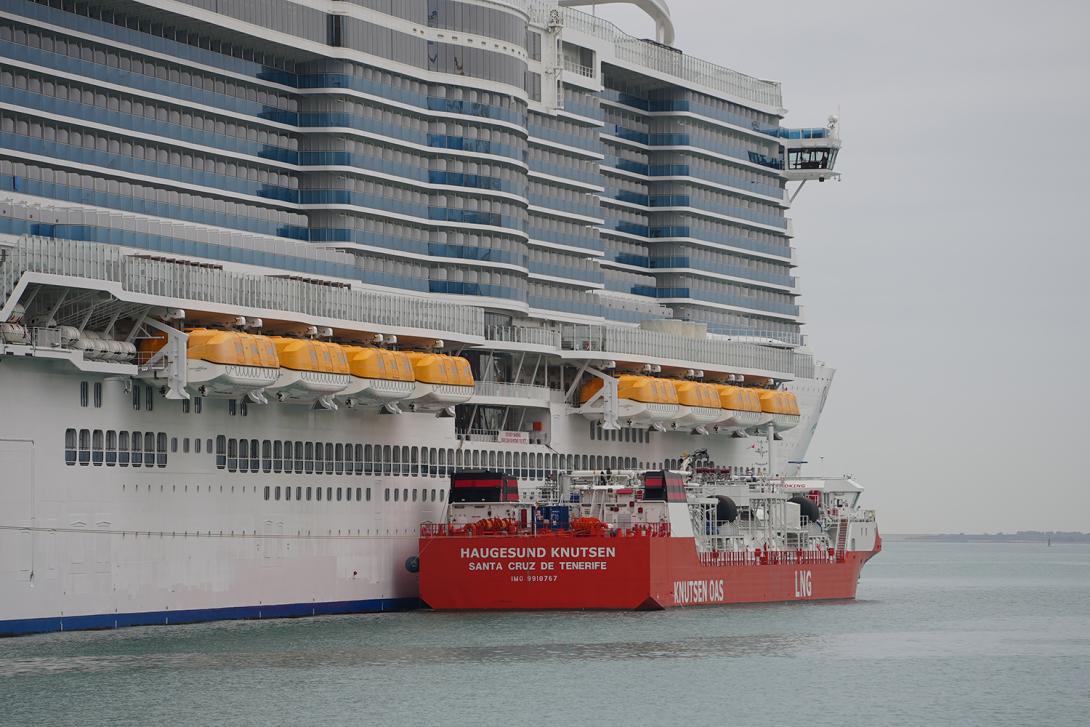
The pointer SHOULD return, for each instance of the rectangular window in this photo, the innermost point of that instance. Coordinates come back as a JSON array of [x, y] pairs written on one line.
[[368, 462], [266, 456], [69, 446], [232, 407], [185, 445], [197, 405], [278, 455], [98, 394], [299, 459], [298, 493], [368, 493], [309, 461], [266, 487], [174, 445], [396, 465], [308, 494], [150, 449], [287, 493], [123, 449], [96, 448], [359, 460], [255, 455], [338, 494], [276, 493], [83, 393], [185, 406], [318, 493], [148, 394], [232, 455], [347, 493], [111, 448], [387, 494], [328, 494], [358, 493], [137, 449], [339, 459]]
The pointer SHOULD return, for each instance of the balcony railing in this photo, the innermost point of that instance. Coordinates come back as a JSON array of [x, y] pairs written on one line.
[[654, 344], [572, 66], [517, 391], [523, 334], [201, 284]]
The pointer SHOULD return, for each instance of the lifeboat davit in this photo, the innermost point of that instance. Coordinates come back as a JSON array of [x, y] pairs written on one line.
[[442, 381], [741, 408], [698, 405], [379, 377], [310, 371], [781, 409], [642, 401], [224, 364]]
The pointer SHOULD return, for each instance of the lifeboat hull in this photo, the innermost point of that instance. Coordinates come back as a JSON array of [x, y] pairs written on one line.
[[621, 573], [696, 416], [227, 381], [307, 387], [437, 397], [739, 420], [376, 391], [783, 422], [635, 413]]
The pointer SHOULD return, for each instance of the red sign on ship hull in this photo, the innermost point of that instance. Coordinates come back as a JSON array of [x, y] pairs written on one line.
[[626, 573]]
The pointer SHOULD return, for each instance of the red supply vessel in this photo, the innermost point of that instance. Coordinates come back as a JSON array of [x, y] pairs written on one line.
[[645, 540]]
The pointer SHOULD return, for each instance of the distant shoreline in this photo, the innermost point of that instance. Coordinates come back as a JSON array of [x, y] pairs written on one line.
[[1024, 536]]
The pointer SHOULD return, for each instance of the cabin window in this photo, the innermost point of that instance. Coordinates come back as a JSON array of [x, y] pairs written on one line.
[[232, 407], [299, 458], [98, 394], [278, 455], [414, 494], [338, 494], [255, 455], [298, 493], [387, 494], [396, 468], [111, 448], [309, 456], [137, 449], [148, 394], [318, 494], [197, 405], [329, 494], [96, 448], [276, 493], [266, 488], [83, 393], [287, 493], [232, 455], [266, 455], [136, 398], [358, 493], [185, 406], [69, 446], [344, 459], [359, 460], [329, 458], [308, 494], [123, 449], [155, 449], [368, 463]]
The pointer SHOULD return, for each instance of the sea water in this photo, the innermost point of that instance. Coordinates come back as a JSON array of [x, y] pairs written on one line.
[[941, 634]]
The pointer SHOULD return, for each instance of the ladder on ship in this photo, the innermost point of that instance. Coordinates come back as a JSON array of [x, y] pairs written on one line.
[[841, 538]]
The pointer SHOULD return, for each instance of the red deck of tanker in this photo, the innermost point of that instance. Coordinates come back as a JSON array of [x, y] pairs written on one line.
[[647, 570]]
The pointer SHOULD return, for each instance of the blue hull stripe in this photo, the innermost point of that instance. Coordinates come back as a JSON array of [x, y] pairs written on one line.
[[152, 618]]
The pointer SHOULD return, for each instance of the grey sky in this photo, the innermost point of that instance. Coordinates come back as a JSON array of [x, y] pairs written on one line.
[[944, 276]]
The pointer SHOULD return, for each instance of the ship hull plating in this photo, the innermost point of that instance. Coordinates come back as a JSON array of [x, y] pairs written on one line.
[[622, 573]]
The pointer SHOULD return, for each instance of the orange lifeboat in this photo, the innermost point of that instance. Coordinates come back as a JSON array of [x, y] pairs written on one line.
[[310, 371], [699, 405], [224, 364], [741, 408], [642, 401], [379, 377], [442, 382], [781, 409]]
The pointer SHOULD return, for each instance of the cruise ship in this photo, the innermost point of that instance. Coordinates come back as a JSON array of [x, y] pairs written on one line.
[[272, 271]]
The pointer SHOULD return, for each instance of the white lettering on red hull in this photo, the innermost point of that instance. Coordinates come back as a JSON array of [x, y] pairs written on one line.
[[804, 587], [696, 592]]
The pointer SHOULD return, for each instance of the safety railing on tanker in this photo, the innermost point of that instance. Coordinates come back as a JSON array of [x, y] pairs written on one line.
[[768, 557], [199, 283]]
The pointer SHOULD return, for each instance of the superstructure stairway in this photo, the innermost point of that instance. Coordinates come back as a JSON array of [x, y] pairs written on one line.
[[841, 538]]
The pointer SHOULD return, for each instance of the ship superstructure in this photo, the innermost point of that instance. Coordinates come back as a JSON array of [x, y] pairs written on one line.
[[271, 271]]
